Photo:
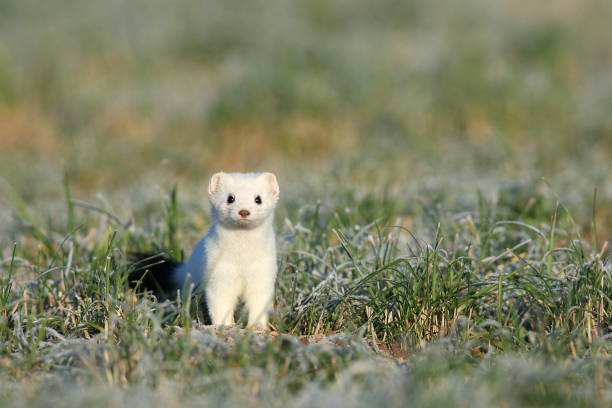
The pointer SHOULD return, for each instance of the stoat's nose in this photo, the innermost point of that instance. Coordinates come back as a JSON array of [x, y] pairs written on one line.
[[244, 213]]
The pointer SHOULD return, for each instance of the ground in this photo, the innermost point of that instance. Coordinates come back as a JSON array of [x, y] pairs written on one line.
[[445, 211]]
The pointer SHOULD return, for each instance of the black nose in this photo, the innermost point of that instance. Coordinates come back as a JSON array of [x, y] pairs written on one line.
[[244, 213]]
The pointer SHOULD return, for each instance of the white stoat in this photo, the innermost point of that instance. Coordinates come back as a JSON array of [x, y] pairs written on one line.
[[236, 259]]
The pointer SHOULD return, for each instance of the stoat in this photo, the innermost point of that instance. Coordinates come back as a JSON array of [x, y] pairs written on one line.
[[236, 258]]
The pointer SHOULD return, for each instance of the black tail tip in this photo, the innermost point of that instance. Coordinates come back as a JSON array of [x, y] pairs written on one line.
[[152, 272]]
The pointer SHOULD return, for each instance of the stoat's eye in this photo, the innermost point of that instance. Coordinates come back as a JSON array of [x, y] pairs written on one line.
[[231, 198], [258, 200]]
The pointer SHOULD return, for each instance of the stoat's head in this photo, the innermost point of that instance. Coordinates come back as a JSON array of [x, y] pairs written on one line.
[[243, 200]]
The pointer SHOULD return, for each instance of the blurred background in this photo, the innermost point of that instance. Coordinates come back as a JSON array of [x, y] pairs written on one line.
[[420, 101]]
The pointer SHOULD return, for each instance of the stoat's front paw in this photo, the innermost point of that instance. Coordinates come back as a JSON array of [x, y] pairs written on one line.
[[224, 325]]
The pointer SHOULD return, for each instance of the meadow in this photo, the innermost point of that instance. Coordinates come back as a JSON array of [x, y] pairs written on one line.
[[446, 200]]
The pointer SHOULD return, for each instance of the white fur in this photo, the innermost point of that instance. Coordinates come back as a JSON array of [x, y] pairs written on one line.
[[236, 259]]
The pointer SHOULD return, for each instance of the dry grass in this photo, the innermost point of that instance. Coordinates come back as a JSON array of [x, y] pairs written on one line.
[[440, 239]]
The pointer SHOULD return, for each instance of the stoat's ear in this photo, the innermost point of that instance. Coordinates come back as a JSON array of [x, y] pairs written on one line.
[[215, 183], [271, 182]]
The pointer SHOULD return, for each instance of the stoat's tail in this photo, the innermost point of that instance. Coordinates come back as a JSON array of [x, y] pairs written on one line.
[[154, 272], [158, 273]]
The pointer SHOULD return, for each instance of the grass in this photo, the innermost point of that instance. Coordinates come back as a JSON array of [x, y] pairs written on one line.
[[464, 313], [445, 212]]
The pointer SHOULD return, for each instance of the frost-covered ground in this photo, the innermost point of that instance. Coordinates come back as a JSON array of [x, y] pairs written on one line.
[[445, 213]]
